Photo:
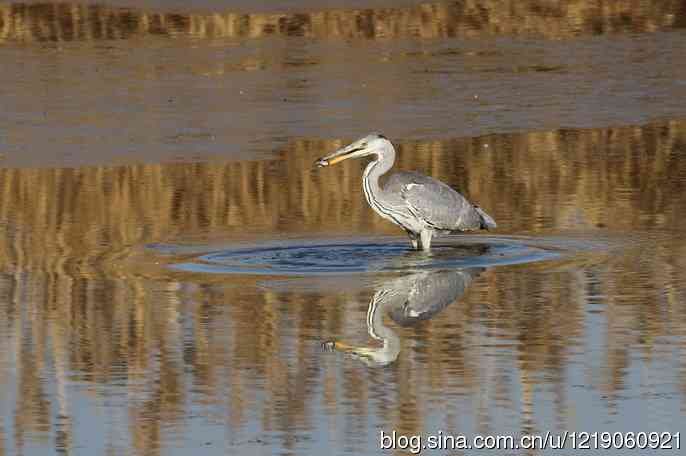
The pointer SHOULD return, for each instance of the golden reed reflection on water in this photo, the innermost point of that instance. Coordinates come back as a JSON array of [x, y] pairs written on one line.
[[72, 313], [619, 178], [62, 21]]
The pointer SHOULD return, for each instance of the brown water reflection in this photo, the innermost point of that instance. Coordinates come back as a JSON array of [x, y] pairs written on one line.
[[618, 179], [165, 85], [127, 130], [104, 354]]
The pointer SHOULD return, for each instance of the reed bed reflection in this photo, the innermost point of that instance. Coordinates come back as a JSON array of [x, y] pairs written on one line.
[[618, 178], [77, 322], [64, 21]]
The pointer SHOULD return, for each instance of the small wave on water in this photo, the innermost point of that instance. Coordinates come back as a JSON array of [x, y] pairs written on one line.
[[358, 256]]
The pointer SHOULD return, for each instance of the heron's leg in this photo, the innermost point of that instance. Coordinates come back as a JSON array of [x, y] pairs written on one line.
[[426, 239], [413, 240]]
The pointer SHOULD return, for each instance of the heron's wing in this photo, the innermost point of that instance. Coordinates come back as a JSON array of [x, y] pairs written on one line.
[[435, 202], [431, 293]]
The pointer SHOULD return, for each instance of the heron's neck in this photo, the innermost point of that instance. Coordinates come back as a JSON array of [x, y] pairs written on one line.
[[389, 351], [375, 169], [378, 307]]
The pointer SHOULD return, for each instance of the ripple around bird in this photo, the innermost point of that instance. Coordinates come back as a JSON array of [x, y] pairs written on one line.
[[299, 258]]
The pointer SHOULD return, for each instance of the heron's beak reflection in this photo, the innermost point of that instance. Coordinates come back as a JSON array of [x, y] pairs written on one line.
[[334, 345], [365, 354]]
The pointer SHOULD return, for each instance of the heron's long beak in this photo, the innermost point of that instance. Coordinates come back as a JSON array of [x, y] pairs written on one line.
[[359, 352], [337, 346], [369, 355], [339, 155]]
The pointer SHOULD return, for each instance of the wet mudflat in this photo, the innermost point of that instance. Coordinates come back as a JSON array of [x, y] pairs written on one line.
[[175, 277]]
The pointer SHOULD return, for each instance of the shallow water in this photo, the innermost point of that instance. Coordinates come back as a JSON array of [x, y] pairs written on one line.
[[175, 276], [305, 258]]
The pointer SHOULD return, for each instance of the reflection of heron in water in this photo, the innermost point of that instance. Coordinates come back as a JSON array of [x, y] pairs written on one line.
[[408, 300], [420, 204]]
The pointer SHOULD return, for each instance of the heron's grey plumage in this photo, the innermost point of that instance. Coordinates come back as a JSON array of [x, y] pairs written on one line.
[[420, 204], [408, 300], [436, 203], [429, 293]]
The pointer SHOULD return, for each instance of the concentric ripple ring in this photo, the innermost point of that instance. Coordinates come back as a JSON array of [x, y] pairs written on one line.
[[300, 258]]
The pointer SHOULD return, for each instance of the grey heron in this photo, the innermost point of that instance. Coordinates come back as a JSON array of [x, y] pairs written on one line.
[[407, 300], [421, 205]]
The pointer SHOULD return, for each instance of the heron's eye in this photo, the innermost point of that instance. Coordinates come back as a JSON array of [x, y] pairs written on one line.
[[382, 137]]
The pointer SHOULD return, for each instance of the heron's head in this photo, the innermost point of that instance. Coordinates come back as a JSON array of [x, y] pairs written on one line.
[[371, 356], [373, 143]]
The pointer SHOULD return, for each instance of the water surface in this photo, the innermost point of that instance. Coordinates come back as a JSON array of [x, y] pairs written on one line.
[[175, 277]]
